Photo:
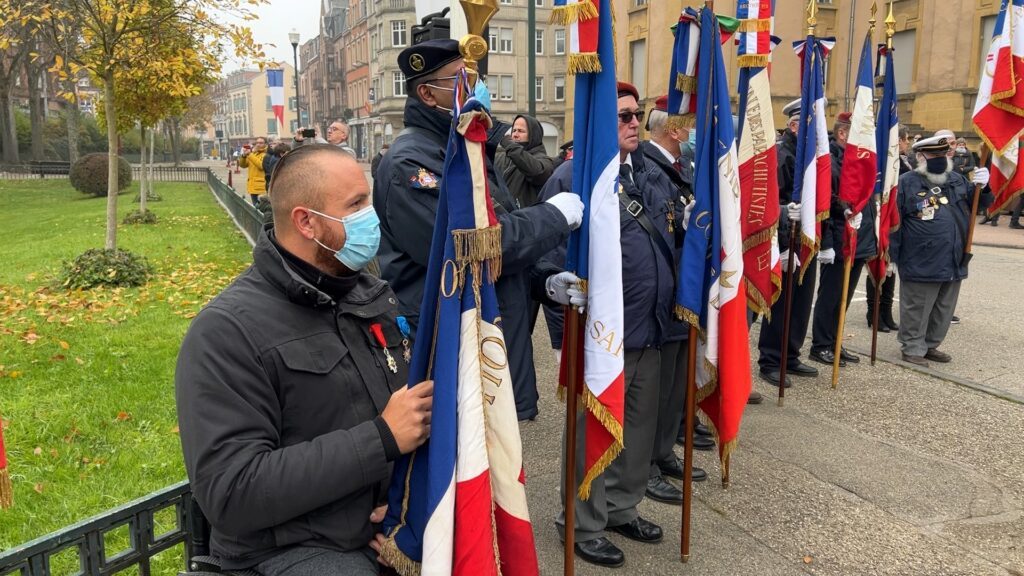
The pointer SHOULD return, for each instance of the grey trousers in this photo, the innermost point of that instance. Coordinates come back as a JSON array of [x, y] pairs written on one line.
[[615, 494], [671, 396], [310, 561], [926, 309]]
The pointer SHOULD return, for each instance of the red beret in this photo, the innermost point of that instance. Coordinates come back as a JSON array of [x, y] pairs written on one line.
[[844, 117], [661, 103], [625, 89]]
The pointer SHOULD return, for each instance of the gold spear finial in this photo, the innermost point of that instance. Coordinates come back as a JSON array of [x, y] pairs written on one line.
[[478, 14], [890, 26], [873, 20], [812, 16]]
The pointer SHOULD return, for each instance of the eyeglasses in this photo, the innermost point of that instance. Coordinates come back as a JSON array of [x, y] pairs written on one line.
[[627, 116]]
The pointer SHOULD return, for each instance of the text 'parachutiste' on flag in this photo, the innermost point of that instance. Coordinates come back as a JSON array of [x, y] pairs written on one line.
[[887, 217], [999, 110], [457, 505], [595, 255], [756, 148], [275, 85], [711, 294], [812, 179], [860, 160]]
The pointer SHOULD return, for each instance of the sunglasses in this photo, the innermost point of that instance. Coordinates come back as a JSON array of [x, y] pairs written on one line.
[[627, 116]]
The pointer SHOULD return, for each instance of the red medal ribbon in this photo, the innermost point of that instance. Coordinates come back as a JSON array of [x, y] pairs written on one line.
[[378, 333]]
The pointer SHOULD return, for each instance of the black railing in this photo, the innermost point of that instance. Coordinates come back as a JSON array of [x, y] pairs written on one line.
[[30, 170], [248, 219], [88, 538], [173, 174]]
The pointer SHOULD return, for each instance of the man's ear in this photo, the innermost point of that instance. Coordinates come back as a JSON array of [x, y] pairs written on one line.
[[426, 96], [302, 223]]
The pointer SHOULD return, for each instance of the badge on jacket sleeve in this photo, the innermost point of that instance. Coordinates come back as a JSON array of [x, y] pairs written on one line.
[[424, 179]]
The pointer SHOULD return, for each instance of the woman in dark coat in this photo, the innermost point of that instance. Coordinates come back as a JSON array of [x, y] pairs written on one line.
[[523, 162]]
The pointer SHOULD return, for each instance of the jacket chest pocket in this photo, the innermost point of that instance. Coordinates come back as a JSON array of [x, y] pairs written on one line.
[[391, 351], [317, 382]]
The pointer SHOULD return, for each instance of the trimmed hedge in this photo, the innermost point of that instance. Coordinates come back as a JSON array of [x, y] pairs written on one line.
[[97, 267], [89, 174]]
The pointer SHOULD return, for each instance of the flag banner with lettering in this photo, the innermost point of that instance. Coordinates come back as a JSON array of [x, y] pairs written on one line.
[[682, 78], [457, 505], [595, 255], [812, 180], [860, 159], [275, 86], [758, 160], [711, 294], [999, 110], [887, 217], [582, 18]]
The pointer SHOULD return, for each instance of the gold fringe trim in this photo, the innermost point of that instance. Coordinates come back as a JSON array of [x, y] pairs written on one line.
[[476, 247], [6, 489], [613, 426], [992, 210], [813, 244], [756, 301], [572, 13], [687, 316], [680, 121], [727, 450], [399, 561], [760, 238], [584, 63], [686, 83], [754, 25], [752, 60]]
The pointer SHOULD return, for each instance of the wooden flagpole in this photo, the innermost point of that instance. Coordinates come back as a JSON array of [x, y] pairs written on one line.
[[985, 152], [787, 308], [571, 354], [890, 30], [691, 408]]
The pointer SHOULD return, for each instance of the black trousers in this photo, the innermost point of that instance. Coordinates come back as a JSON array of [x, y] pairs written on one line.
[[885, 300], [826, 310], [770, 340]]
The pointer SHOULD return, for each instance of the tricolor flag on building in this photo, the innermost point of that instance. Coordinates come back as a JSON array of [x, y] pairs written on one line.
[[595, 255], [860, 160], [582, 18], [887, 217], [275, 85], [812, 180], [457, 505], [711, 294], [999, 111], [682, 79], [758, 161]]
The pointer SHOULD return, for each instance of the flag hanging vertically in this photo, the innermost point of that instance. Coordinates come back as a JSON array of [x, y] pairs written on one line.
[[860, 160], [711, 294], [758, 161], [999, 110], [275, 86], [682, 78], [582, 19], [457, 505], [595, 254], [887, 217], [812, 178]]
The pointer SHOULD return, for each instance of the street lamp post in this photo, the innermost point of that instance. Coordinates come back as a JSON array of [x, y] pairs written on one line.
[[293, 37]]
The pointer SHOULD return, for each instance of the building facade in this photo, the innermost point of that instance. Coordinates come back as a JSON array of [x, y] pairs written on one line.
[[243, 110]]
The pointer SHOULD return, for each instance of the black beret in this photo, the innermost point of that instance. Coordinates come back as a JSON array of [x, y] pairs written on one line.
[[422, 59]]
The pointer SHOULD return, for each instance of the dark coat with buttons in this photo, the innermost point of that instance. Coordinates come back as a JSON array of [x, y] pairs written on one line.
[[929, 244], [278, 389]]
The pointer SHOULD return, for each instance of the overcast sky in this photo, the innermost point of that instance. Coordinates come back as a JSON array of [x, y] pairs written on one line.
[[276, 20]]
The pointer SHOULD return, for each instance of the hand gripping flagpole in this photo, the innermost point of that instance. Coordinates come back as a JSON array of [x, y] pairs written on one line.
[[847, 262], [890, 31]]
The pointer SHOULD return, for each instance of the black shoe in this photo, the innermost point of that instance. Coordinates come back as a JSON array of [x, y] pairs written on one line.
[[825, 357], [883, 326], [848, 356], [772, 377], [755, 397], [702, 443], [954, 320], [888, 321], [994, 222], [659, 490], [701, 430], [674, 469], [937, 355], [640, 530], [802, 370], [600, 551], [1016, 225]]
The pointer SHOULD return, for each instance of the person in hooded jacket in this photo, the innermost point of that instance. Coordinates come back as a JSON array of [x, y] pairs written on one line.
[[522, 160]]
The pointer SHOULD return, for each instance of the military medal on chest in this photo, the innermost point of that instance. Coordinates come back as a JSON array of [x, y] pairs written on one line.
[[405, 329], [378, 334]]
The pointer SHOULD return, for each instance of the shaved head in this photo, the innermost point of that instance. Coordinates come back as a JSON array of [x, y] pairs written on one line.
[[305, 177]]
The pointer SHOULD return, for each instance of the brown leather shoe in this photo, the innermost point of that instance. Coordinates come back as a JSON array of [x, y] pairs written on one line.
[[918, 360], [755, 397], [937, 355]]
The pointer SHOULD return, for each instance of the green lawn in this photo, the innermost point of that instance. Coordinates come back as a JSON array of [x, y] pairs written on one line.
[[87, 378]]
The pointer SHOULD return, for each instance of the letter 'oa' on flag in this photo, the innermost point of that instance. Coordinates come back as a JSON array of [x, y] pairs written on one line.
[[275, 85], [457, 505], [860, 160], [711, 294], [887, 217], [999, 111]]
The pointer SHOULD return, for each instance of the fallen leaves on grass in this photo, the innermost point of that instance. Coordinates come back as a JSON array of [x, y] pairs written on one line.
[[38, 487], [123, 416]]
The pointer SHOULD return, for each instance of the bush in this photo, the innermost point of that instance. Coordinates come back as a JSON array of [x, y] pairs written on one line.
[[98, 267], [89, 174], [151, 197], [140, 217]]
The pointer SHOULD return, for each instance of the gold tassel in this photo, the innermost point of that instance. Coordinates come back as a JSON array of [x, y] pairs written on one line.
[[727, 450], [752, 60], [761, 237], [754, 25], [399, 561], [572, 13], [679, 121], [614, 427], [478, 246], [584, 63], [6, 490], [685, 83]]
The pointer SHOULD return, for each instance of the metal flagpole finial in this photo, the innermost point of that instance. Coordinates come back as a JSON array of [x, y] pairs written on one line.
[[890, 26], [873, 20], [812, 16], [472, 45]]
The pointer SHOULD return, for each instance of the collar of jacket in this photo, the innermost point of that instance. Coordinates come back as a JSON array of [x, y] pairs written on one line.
[[365, 295], [433, 120]]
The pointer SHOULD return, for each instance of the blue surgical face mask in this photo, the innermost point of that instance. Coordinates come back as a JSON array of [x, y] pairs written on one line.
[[362, 238], [693, 138]]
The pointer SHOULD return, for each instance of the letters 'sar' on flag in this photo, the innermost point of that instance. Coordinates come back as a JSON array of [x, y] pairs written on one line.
[[860, 159], [711, 294], [887, 216], [275, 86], [595, 255], [999, 110], [457, 505]]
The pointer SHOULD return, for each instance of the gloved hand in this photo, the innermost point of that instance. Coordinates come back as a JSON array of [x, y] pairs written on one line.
[[891, 270], [979, 176], [687, 210], [855, 220], [784, 258], [564, 288], [793, 210], [570, 206], [827, 256]]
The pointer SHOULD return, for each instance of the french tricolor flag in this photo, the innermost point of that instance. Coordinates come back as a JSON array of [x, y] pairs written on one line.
[[860, 159], [275, 85]]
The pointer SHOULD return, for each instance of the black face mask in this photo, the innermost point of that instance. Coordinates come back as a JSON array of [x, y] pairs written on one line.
[[936, 165]]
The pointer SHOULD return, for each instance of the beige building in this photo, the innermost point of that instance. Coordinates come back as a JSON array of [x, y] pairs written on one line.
[[938, 52], [243, 109]]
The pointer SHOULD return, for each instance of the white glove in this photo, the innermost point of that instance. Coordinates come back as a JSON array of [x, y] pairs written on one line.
[[891, 270], [784, 258], [794, 211], [827, 256], [979, 177], [687, 210], [558, 355], [570, 206], [564, 288], [855, 220]]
